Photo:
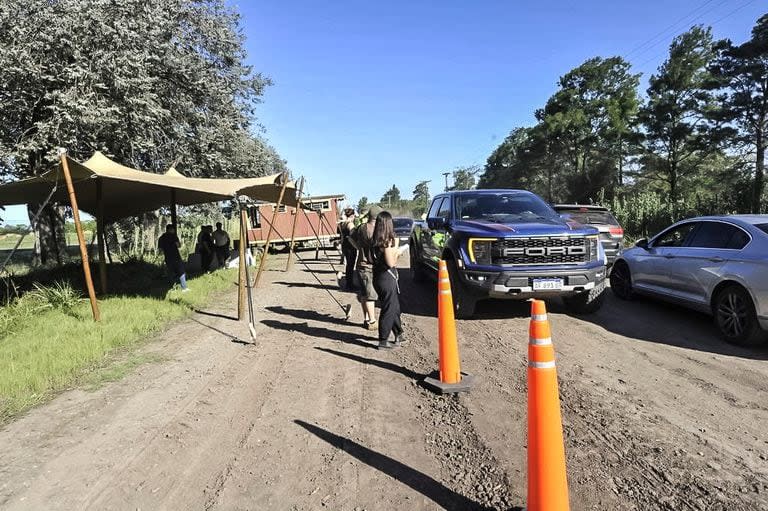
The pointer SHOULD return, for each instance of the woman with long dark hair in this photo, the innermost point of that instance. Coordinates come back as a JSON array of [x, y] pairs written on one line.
[[385, 280]]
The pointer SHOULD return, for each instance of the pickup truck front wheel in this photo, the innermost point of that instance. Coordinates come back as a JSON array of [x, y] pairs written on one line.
[[464, 303], [587, 302], [417, 268]]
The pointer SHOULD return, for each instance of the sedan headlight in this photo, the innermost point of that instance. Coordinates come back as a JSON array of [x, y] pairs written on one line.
[[592, 250], [480, 250]]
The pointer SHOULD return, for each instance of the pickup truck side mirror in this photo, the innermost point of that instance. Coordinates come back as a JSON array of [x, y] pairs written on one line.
[[437, 223], [642, 243]]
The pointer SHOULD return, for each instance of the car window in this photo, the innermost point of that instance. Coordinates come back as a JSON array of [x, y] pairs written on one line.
[[674, 237], [718, 235], [762, 227], [434, 208], [502, 207], [402, 223], [445, 209], [590, 216]]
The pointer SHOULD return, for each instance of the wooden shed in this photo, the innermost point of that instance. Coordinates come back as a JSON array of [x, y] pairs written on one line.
[[319, 220]]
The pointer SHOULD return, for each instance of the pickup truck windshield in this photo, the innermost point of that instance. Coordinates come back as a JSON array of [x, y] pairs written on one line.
[[502, 207]]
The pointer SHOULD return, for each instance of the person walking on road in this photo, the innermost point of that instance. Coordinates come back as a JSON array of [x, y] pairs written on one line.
[[348, 250], [385, 280], [221, 245], [169, 244], [361, 240]]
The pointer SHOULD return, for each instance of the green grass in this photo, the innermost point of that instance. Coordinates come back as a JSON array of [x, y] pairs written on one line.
[[49, 348]]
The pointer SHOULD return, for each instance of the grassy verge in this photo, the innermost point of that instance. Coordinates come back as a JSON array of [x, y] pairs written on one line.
[[52, 348]]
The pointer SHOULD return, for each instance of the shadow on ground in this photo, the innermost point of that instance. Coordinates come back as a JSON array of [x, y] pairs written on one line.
[[307, 314], [319, 332], [418, 481], [389, 366]]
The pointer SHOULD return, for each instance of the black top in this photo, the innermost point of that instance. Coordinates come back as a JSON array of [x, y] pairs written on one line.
[[168, 243]]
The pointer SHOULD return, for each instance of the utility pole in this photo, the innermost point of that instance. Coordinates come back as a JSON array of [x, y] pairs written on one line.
[[446, 174]]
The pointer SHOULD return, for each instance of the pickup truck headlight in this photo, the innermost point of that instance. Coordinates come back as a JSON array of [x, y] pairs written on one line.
[[480, 250], [592, 242]]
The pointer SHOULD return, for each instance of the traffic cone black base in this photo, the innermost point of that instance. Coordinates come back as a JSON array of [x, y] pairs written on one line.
[[433, 383]]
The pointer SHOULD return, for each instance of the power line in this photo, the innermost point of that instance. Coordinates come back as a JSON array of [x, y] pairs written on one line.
[[661, 36], [745, 4]]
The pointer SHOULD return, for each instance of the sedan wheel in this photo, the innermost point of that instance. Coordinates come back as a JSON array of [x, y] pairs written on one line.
[[621, 281], [735, 316]]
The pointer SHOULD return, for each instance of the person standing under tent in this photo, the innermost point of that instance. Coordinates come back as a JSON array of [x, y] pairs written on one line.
[[169, 244], [205, 247], [385, 279], [221, 245], [348, 250], [361, 240]]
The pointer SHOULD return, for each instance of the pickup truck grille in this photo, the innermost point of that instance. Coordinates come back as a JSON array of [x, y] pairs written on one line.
[[541, 250]]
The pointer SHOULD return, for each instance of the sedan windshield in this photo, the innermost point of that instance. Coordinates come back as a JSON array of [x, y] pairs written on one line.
[[502, 207]]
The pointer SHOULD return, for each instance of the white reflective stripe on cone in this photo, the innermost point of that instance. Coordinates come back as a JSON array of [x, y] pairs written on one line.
[[539, 317], [540, 342], [542, 365], [445, 291]]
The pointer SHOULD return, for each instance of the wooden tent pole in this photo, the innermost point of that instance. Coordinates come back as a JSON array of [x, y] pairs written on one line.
[[80, 237], [173, 209], [262, 262], [293, 228], [100, 237], [241, 283]]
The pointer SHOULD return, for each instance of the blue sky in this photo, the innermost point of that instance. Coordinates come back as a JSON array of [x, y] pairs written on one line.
[[370, 94]]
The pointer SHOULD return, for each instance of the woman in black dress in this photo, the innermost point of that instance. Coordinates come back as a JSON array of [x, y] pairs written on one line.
[[385, 281]]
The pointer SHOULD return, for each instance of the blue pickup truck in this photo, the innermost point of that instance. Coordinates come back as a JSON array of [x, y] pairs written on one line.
[[508, 244]]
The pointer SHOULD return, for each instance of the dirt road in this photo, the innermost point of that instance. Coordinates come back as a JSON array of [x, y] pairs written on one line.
[[658, 414]]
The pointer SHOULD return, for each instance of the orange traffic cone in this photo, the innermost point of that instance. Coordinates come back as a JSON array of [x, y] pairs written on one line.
[[451, 379], [547, 482]]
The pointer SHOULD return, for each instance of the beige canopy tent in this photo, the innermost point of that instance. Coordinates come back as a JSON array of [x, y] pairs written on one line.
[[128, 192], [110, 191]]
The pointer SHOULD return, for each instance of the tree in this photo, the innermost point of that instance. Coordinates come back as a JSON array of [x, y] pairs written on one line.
[[674, 119], [420, 198], [362, 205], [464, 177], [147, 83], [391, 197], [741, 73], [587, 123]]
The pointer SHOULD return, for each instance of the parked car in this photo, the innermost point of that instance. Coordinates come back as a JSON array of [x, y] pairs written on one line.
[[403, 228], [611, 233], [715, 264], [508, 244]]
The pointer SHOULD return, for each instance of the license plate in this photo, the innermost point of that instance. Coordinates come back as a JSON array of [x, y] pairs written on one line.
[[547, 284]]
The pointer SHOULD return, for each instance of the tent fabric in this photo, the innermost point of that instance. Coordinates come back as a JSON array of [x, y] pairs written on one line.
[[128, 192]]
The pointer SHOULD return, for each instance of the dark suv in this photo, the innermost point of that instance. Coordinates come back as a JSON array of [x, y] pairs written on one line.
[[611, 233], [508, 244]]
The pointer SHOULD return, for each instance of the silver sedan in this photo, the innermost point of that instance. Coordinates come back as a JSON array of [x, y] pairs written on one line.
[[715, 264]]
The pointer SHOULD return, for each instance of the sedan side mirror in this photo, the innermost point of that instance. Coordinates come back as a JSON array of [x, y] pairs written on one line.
[[437, 223], [642, 243]]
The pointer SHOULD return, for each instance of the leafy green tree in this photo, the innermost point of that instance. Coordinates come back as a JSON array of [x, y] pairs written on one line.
[[420, 200], [148, 83], [391, 197], [362, 205], [464, 177], [674, 119], [741, 72], [587, 123]]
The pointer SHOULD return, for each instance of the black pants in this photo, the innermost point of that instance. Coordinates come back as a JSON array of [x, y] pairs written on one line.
[[350, 256], [389, 300], [222, 254]]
